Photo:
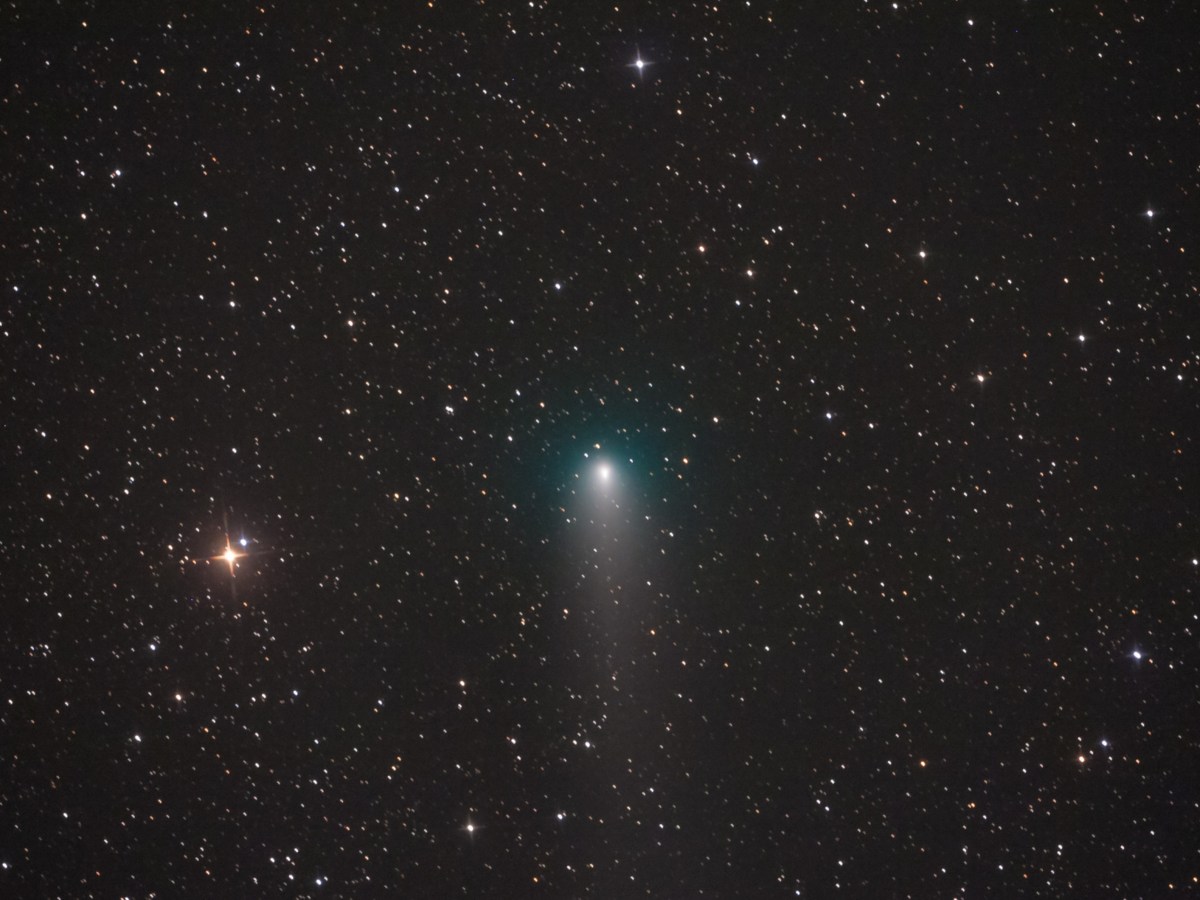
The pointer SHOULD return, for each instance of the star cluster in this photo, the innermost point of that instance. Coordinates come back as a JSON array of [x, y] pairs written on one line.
[[585, 450]]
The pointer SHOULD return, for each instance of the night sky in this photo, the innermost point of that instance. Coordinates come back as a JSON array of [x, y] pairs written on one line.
[[586, 450]]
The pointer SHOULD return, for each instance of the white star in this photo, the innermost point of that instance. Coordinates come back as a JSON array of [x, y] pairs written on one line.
[[639, 63]]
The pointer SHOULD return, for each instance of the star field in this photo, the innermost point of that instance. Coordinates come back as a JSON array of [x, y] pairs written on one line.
[[584, 450]]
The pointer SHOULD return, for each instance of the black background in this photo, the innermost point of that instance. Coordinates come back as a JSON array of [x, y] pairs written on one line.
[[907, 570]]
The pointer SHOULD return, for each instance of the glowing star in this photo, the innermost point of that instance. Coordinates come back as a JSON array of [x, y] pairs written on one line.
[[230, 556], [639, 63]]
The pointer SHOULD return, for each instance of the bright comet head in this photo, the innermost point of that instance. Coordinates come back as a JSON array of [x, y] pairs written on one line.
[[605, 472]]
